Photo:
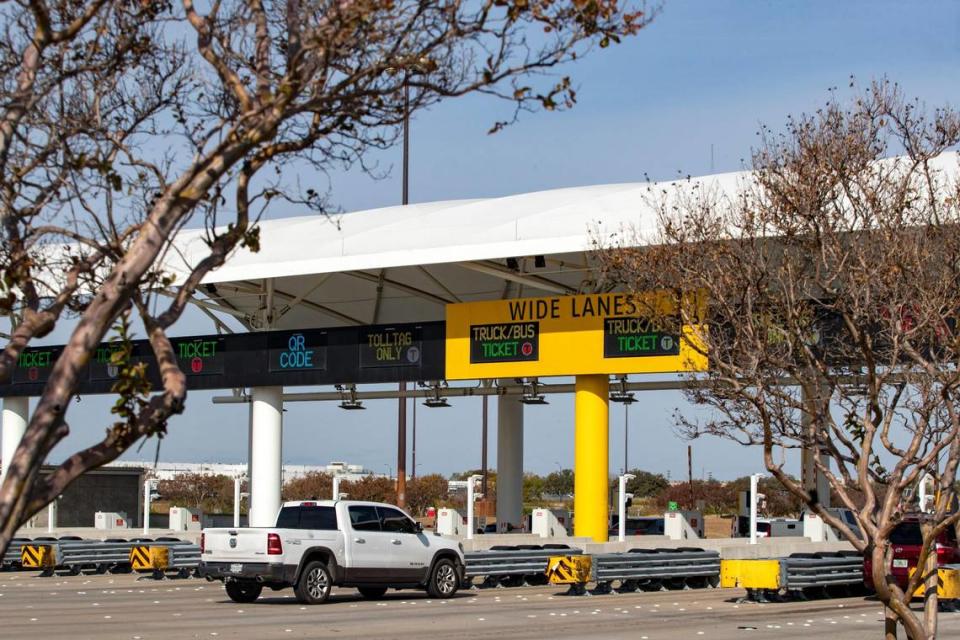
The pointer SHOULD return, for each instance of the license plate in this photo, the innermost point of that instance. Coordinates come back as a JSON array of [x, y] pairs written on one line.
[[899, 564], [236, 568]]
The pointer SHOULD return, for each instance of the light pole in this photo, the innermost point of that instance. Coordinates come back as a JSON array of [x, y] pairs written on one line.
[[402, 400], [414, 473], [626, 423], [754, 480], [622, 506]]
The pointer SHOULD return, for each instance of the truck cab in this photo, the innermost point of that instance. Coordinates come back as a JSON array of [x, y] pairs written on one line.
[[316, 545]]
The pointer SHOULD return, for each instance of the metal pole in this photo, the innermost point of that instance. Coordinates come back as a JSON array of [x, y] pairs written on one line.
[[402, 449], [413, 471], [470, 498], [622, 507], [237, 485], [336, 487], [406, 141], [753, 507], [146, 507], [402, 416], [483, 449], [52, 515], [626, 441]]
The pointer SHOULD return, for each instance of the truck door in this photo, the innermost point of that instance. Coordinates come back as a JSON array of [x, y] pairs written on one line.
[[411, 553], [370, 547]]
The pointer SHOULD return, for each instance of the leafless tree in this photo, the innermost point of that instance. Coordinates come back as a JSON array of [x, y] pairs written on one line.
[[122, 121], [825, 288]]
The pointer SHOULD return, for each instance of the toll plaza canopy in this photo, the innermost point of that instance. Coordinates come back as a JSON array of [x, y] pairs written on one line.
[[404, 263]]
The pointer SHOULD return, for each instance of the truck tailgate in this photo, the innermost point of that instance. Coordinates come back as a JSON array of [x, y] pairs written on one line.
[[236, 545]]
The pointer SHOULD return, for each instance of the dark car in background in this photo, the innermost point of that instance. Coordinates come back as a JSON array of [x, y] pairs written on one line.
[[907, 540], [644, 526]]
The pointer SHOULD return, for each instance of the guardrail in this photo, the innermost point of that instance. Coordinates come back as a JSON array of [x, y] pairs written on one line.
[[800, 576], [92, 555], [12, 558], [656, 569], [513, 566]]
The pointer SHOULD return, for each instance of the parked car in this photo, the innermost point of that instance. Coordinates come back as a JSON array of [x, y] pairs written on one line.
[[643, 526], [317, 545], [907, 540], [767, 528]]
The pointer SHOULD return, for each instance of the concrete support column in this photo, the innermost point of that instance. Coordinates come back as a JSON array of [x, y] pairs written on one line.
[[266, 462], [811, 477], [591, 457], [16, 412], [509, 462]]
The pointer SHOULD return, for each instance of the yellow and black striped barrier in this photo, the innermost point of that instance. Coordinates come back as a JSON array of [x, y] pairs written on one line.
[[37, 556], [140, 558], [150, 558], [569, 569], [948, 584]]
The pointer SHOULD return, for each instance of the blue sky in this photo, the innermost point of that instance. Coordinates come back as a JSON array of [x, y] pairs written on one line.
[[704, 73]]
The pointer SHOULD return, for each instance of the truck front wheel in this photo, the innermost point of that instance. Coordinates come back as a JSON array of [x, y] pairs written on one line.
[[243, 590], [444, 581], [314, 584]]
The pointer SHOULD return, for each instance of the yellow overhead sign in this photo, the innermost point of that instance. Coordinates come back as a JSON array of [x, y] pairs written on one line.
[[567, 335]]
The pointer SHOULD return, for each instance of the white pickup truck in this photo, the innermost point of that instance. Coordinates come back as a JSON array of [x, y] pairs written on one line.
[[320, 544]]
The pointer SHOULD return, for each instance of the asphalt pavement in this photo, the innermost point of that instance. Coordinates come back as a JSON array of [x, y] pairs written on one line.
[[112, 607]]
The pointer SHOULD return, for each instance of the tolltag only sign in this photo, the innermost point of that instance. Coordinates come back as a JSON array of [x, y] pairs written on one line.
[[568, 335]]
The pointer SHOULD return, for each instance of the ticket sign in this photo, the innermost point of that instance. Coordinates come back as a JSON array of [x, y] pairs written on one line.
[[34, 365], [568, 335], [390, 347], [298, 351], [505, 342], [200, 356], [636, 338], [108, 360]]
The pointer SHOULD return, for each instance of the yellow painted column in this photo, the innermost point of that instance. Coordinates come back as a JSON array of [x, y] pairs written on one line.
[[591, 457]]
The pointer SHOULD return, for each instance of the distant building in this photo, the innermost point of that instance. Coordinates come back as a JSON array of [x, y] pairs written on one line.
[[170, 470], [103, 489]]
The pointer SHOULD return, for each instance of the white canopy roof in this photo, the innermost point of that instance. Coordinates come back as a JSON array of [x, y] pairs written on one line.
[[403, 263]]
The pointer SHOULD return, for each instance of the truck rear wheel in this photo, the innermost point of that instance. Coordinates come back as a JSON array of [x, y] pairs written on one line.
[[444, 581], [372, 593], [243, 590], [314, 584]]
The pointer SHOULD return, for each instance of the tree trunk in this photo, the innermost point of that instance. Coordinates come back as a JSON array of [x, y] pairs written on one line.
[[889, 624], [930, 600]]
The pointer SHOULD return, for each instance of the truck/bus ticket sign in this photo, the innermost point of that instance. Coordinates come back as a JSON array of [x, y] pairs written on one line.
[[606, 333]]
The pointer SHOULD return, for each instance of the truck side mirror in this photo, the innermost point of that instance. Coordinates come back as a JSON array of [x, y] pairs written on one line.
[[418, 527]]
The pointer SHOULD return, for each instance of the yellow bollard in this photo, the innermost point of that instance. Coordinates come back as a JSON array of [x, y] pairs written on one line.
[[591, 457]]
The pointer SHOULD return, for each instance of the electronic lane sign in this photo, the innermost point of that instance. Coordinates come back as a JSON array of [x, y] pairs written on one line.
[[506, 342], [398, 346], [108, 360], [298, 351], [201, 356], [609, 333], [635, 338], [34, 365], [341, 355]]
